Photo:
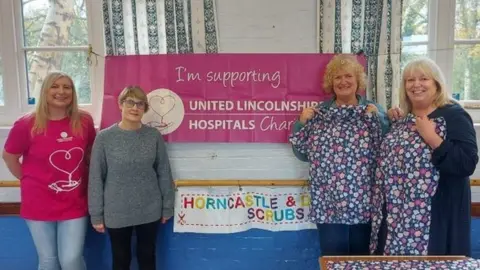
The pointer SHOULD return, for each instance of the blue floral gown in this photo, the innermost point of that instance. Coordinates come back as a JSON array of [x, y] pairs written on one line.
[[406, 181], [341, 145], [421, 196]]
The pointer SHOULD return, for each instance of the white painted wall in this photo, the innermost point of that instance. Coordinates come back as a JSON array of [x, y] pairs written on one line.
[[246, 26], [267, 26]]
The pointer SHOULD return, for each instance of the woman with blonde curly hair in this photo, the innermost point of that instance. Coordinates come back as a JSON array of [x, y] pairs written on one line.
[[339, 139], [54, 143], [425, 162]]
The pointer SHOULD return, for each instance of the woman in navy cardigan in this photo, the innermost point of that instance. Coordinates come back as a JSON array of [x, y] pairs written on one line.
[[425, 162]]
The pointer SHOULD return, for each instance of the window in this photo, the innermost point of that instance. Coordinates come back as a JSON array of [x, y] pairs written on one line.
[[55, 38], [447, 31], [1, 78], [466, 68], [414, 29], [39, 36], [1, 64]]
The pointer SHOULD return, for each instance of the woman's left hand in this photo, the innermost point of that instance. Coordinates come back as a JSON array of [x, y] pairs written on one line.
[[371, 108], [426, 129], [164, 220]]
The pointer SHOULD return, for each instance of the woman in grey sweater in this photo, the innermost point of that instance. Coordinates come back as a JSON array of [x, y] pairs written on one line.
[[130, 183]]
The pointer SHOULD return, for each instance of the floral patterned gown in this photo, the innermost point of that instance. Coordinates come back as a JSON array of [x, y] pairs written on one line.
[[427, 193], [461, 264], [406, 180], [341, 144]]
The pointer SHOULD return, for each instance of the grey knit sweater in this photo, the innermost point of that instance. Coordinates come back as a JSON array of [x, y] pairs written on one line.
[[130, 181]]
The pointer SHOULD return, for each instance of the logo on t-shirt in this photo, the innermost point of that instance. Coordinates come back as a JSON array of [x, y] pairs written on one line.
[[64, 137], [67, 162]]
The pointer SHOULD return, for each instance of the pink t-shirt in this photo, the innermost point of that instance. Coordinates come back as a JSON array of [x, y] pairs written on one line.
[[54, 168]]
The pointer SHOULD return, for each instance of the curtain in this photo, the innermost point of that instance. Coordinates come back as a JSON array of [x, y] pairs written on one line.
[[139, 27], [369, 26]]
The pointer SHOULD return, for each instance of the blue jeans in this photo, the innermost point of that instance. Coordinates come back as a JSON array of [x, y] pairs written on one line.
[[59, 244], [342, 239]]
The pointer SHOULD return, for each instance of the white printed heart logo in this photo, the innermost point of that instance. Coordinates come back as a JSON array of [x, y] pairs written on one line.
[[162, 105], [67, 161]]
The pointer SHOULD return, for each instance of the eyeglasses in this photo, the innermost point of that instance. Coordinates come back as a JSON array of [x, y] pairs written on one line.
[[130, 103]]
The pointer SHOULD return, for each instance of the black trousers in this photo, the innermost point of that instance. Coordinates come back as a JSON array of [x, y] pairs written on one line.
[[344, 240], [121, 243]]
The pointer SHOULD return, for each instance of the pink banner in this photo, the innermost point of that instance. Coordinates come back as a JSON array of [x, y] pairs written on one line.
[[219, 97]]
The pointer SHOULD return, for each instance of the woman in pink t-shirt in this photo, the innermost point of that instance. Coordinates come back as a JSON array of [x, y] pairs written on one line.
[[54, 143]]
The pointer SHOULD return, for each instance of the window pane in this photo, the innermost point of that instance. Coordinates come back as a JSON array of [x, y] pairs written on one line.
[[54, 23], [467, 19], [466, 77], [411, 52], [39, 63], [415, 20], [2, 102]]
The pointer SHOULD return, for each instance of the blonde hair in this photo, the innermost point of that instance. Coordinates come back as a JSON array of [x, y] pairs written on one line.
[[133, 92], [430, 69], [41, 113], [341, 62]]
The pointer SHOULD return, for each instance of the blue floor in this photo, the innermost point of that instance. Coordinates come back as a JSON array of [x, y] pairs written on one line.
[[254, 249]]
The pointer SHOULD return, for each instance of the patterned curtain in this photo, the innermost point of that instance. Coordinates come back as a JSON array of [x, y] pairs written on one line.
[[138, 27], [371, 26]]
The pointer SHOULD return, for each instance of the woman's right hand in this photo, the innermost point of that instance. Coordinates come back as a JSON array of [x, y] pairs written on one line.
[[99, 227], [395, 114], [307, 114]]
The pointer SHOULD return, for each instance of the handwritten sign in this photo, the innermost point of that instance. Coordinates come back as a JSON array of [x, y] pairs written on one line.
[[229, 210], [219, 97]]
